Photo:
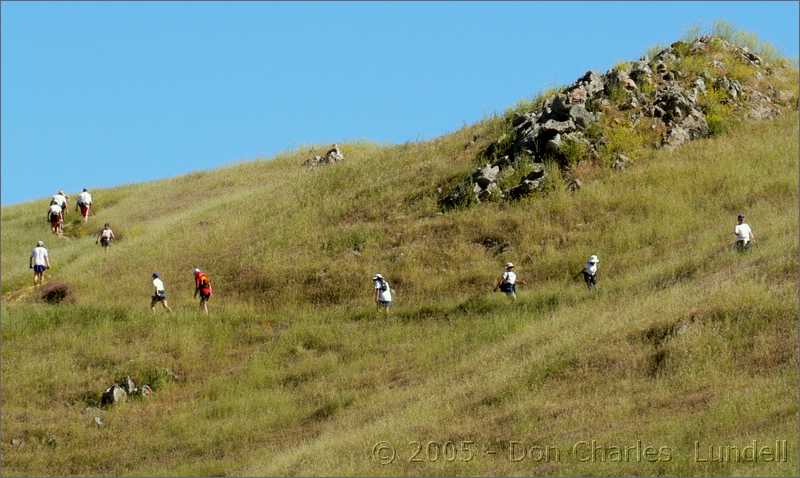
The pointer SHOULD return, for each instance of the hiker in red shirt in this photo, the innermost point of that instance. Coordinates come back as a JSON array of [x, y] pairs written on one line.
[[203, 286]]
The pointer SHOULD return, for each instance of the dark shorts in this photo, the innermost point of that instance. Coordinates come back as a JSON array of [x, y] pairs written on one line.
[[508, 288], [55, 219], [104, 241], [591, 279], [743, 246], [84, 209], [159, 298], [205, 295], [39, 269], [385, 303]]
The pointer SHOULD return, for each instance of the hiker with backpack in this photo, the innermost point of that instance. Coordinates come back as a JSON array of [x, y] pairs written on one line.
[[589, 272], [84, 204], [744, 235], [507, 282], [202, 285], [60, 199], [39, 262], [105, 237], [159, 293], [383, 293], [56, 218]]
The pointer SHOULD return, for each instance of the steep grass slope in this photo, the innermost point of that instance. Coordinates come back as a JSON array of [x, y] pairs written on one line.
[[687, 351], [295, 374]]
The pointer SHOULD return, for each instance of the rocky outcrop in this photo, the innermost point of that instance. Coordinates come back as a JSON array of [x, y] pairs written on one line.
[[573, 125], [120, 392], [332, 156]]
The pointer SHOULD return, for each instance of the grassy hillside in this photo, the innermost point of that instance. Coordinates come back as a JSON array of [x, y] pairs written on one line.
[[295, 373]]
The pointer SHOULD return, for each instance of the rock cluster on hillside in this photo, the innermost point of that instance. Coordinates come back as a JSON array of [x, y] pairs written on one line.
[[665, 97]]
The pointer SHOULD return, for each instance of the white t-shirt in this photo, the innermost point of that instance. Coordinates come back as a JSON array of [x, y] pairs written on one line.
[[60, 200], [743, 232], [510, 277], [158, 284], [39, 256], [84, 198], [106, 233], [384, 295], [55, 209], [591, 268]]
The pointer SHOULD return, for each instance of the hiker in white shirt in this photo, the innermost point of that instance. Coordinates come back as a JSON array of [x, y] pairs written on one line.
[[85, 204], [56, 218], [507, 282], [383, 293], [105, 237], [159, 293], [589, 272], [61, 199], [744, 235], [39, 262]]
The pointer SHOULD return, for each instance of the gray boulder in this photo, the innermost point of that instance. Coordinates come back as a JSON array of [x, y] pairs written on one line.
[[553, 126], [486, 175], [113, 395]]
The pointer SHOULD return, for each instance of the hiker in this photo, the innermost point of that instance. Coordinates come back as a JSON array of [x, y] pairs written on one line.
[[39, 262], [589, 272], [202, 286], [85, 203], [507, 282], [61, 199], [334, 154], [744, 235], [105, 237], [383, 293], [159, 294], [54, 215]]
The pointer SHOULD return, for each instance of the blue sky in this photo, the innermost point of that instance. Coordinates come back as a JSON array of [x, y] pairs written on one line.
[[101, 94]]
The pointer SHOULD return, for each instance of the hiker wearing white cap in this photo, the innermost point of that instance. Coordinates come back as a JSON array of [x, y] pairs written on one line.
[[744, 235], [383, 293], [159, 293], [39, 262], [589, 272], [85, 204], [61, 199], [507, 282], [202, 286], [56, 218]]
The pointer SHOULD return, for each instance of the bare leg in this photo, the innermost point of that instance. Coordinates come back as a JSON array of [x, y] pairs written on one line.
[[166, 306]]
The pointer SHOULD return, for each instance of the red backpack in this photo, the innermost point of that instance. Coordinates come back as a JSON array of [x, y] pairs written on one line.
[[203, 283]]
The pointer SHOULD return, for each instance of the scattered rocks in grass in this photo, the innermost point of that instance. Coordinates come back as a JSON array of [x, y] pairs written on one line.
[[620, 162], [113, 395], [333, 156], [574, 185]]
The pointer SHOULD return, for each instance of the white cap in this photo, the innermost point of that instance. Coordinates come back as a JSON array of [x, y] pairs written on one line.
[[509, 265], [196, 270], [40, 243], [377, 276], [593, 259]]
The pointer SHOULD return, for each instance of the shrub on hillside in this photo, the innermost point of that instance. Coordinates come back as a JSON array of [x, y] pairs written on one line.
[[56, 293]]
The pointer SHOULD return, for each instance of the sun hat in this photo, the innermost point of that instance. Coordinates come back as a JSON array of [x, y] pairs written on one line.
[[196, 270], [40, 243], [509, 265], [593, 259], [377, 276]]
